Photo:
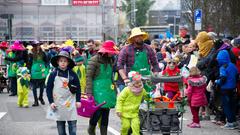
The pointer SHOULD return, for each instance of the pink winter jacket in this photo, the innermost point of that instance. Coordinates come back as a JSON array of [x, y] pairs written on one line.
[[196, 90]]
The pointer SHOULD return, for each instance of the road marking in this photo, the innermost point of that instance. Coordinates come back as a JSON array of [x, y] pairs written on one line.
[[113, 131], [2, 114], [183, 119]]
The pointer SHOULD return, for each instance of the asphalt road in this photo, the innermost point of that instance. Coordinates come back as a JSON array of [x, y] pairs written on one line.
[[32, 121]]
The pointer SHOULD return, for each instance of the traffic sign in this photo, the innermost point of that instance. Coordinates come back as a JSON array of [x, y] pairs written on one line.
[[198, 19]]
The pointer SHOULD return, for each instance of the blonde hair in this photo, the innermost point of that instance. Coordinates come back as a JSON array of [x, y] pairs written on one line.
[[194, 71]]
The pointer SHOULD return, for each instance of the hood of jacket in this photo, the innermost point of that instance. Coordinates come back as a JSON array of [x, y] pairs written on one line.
[[197, 80], [223, 57]]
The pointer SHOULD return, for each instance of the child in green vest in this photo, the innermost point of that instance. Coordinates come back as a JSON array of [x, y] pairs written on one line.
[[23, 87], [128, 103], [80, 70]]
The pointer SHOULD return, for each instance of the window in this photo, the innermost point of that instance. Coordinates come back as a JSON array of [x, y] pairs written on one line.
[[24, 31]]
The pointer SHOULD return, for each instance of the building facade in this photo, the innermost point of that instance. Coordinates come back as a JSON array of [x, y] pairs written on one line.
[[56, 20]]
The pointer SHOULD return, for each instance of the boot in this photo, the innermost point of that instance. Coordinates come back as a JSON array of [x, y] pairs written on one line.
[[35, 104], [91, 130], [103, 130], [41, 101]]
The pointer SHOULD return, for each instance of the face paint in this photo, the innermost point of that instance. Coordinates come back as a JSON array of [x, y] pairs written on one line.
[[171, 65]]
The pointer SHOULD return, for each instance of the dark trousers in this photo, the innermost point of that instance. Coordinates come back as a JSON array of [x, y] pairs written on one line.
[[13, 85], [38, 83], [228, 98], [195, 113], [102, 113], [72, 127]]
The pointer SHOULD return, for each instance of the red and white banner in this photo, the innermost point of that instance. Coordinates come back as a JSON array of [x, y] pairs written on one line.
[[85, 2]]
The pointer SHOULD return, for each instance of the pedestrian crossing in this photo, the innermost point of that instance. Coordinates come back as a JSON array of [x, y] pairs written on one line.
[[2, 114]]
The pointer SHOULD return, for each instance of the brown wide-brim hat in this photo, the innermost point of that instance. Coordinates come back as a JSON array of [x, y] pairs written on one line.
[[137, 32], [54, 60]]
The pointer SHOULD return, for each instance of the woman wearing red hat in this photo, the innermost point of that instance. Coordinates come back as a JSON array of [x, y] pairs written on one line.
[[100, 85]]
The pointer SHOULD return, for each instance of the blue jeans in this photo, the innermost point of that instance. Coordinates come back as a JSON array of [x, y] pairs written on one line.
[[72, 127], [229, 105]]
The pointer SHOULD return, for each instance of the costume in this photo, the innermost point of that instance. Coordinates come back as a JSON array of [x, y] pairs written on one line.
[[23, 84], [15, 60], [171, 88], [63, 89], [80, 70], [100, 84], [39, 71]]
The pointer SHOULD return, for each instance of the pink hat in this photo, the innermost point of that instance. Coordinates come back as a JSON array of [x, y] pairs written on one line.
[[17, 46], [4, 44], [109, 47]]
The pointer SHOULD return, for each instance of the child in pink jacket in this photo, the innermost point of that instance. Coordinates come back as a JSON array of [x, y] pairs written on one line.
[[196, 95]]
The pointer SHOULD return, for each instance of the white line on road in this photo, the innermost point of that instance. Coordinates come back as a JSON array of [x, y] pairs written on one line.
[[113, 131], [2, 114]]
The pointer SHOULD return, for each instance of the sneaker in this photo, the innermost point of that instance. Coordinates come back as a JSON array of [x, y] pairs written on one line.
[[235, 124], [194, 125], [229, 126], [189, 124], [35, 104], [25, 106]]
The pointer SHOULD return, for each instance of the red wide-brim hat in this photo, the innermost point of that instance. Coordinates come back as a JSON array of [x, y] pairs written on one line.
[[4, 44], [109, 47]]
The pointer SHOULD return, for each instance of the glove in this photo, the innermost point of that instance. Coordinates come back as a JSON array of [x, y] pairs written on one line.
[[73, 89]]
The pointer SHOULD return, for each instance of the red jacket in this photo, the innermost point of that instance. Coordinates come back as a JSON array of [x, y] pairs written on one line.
[[196, 90], [171, 86], [236, 52]]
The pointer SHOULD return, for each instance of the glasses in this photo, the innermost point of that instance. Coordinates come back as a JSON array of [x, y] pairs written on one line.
[[172, 63]]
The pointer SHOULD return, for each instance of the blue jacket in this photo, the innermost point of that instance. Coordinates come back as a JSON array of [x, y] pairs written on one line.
[[228, 71]]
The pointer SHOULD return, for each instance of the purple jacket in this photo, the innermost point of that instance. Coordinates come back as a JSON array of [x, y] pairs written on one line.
[[196, 90]]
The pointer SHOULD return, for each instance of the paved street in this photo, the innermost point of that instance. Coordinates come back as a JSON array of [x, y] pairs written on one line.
[[32, 121]]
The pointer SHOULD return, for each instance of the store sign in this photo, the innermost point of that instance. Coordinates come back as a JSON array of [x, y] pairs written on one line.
[[85, 2], [54, 2]]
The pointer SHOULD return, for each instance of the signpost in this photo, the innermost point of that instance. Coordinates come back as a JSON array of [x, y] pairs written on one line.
[[198, 19], [85, 2]]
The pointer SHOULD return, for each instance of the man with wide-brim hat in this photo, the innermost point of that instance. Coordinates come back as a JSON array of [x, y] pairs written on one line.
[[137, 56]]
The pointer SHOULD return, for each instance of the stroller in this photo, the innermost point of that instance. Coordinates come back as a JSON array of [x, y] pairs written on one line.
[[159, 116], [3, 79]]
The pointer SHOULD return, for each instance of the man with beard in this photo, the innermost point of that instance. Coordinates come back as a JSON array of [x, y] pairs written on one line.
[[137, 56]]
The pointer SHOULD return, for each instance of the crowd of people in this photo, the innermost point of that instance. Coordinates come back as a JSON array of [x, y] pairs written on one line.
[[112, 73]]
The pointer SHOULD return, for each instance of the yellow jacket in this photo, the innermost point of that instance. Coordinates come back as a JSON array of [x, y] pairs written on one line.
[[128, 103], [82, 76]]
